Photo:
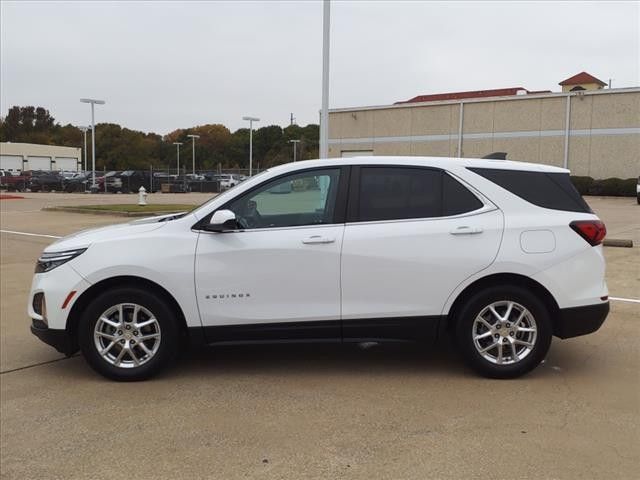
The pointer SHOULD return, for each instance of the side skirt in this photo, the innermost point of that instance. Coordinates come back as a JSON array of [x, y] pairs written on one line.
[[394, 329]]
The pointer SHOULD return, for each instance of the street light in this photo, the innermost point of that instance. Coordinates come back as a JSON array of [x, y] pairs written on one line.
[[251, 120], [324, 120], [93, 103], [177, 144], [193, 138], [295, 147], [84, 131]]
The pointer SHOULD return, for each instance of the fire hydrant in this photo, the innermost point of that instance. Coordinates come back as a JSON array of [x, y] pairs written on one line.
[[142, 196]]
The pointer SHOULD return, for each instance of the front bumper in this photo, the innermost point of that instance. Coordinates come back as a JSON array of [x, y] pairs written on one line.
[[576, 321], [58, 339]]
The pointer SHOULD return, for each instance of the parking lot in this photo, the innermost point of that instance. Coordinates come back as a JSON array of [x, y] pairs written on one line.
[[391, 412]]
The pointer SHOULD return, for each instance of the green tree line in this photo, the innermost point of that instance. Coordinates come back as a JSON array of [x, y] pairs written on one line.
[[120, 148]]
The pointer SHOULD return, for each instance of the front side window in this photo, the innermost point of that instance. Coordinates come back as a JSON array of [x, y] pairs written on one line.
[[306, 198]]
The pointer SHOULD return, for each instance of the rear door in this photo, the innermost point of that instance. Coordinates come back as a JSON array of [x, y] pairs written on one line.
[[412, 235]]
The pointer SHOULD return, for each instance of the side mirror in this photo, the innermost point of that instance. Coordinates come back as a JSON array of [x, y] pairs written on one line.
[[221, 221]]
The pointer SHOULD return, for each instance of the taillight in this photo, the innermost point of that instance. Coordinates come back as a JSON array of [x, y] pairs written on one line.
[[593, 231]]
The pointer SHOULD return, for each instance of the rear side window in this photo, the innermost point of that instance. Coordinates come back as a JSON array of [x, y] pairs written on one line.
[[548, 190], [397, 193]]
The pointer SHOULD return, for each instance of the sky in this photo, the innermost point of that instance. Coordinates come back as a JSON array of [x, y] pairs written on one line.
[[165, 65]]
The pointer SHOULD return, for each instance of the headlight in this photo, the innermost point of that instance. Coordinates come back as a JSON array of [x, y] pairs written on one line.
[[50, 260]]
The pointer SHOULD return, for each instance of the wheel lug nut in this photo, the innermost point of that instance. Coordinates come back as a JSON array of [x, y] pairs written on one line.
[[497, 336], [508, 325], [511, 334], [128, 327], [119, 332], [135, 332], [498, 327], [122, 341], [133, 342]]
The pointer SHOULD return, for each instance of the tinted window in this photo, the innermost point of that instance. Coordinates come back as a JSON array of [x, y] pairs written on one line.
[[457, 199], [548, 190], [306, 198], [391, 193]]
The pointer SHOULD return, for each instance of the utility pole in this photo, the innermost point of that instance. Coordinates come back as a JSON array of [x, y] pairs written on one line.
[[84, 131], [324, 123], [251, 120], [295, 145], [93, 103], [193, 137], [177, 144]]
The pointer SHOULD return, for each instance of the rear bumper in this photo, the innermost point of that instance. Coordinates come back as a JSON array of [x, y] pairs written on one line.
[[58, 339], [576, 321]]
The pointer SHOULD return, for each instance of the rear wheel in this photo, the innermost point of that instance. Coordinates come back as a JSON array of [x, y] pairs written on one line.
[[503, 332], [128, 334]]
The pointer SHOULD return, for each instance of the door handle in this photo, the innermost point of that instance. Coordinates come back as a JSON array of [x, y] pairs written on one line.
[[465, 230], [317, 239]]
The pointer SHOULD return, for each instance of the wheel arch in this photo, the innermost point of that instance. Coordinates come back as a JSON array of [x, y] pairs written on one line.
[[102, 286], [502, 279]]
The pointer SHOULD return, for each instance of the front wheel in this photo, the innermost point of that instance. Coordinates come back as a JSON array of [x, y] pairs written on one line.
[[503, 332], [128, 334]]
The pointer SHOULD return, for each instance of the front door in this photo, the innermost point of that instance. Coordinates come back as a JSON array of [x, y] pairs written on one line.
[[278, 276]]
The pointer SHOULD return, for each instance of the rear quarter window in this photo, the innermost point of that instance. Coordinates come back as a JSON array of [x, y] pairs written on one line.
[[544, 189]]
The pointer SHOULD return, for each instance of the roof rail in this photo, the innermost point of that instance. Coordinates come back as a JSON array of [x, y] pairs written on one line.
[[496, 156]]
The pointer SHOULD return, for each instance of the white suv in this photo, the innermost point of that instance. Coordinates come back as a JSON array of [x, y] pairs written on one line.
[[501, 255]]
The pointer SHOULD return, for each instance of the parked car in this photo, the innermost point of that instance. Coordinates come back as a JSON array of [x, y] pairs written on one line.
[[227, 180], [77, 183], [13, 181], [500, 255], [194, 177], [132, 180], [45, 181], [112, 179]]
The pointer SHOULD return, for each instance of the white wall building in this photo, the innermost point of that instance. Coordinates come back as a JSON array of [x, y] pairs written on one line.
[[19, 157]]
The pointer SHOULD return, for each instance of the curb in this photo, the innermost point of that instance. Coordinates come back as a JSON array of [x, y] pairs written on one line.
[[617, 242]]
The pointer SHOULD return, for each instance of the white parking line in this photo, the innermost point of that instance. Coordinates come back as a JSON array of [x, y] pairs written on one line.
[[29, 234], [630, 300]]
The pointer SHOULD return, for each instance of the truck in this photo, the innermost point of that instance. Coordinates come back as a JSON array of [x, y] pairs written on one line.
[[13, 182]]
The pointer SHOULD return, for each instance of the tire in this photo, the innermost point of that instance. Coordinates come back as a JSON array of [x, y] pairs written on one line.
[[124, 338], [530, 336]]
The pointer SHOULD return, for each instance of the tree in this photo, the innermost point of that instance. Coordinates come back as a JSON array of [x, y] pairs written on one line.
[[119, 148]]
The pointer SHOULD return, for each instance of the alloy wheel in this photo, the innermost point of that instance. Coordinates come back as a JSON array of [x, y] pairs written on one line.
[[504, 332], [127, 335]]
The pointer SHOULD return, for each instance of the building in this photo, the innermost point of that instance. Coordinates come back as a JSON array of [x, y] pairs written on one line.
[[582, 81], [591, 130], [18, 157]]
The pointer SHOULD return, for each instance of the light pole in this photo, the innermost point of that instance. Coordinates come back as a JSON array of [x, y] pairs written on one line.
[[84, 131], [93, 103], [251, 120], [295, 147], [324, 118], [193, 151], [177, 144]]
